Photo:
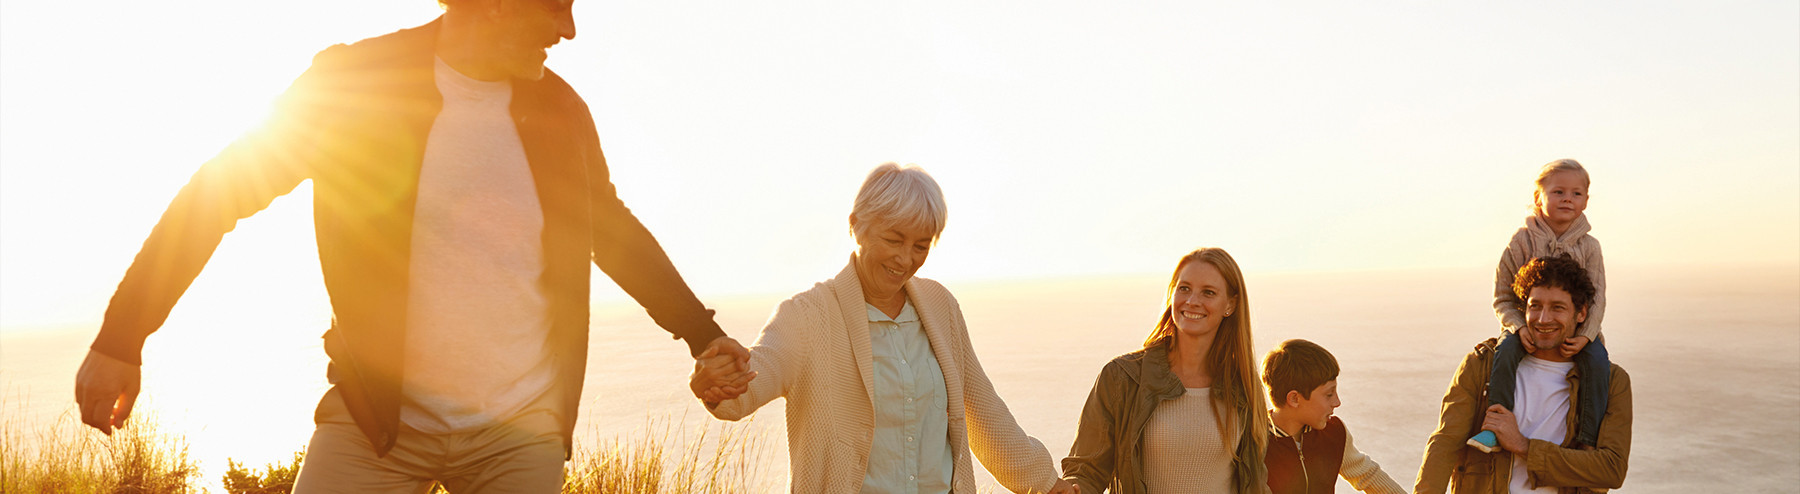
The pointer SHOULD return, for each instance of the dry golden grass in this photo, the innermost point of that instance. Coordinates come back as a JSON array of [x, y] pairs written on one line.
[[656, 463], [67, 456]]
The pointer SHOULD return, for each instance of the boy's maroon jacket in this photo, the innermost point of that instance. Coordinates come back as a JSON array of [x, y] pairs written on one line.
[[1307, 466]]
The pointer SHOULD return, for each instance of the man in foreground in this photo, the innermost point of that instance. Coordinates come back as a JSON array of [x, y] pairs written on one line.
[[459, 195], [1534, 439]]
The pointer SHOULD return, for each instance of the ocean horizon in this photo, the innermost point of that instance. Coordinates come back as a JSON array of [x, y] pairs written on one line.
[[1714, 355]]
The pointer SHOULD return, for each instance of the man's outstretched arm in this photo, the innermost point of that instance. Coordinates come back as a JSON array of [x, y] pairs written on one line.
[[106, 388], [241, 180], [631, 256]]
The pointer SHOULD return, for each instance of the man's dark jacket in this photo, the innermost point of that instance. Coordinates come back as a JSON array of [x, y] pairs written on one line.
[[355, 124]]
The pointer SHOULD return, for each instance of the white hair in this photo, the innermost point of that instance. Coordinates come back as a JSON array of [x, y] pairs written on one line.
[[895, 195]]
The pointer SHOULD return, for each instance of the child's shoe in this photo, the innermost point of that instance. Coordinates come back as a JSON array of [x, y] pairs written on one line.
[[1485, 441]]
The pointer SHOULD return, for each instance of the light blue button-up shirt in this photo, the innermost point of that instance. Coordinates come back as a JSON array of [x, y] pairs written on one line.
[[911, 449]]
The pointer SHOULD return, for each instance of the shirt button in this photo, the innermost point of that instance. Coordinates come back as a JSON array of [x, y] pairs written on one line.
[[909, 399], [912, 477], [909, 439]]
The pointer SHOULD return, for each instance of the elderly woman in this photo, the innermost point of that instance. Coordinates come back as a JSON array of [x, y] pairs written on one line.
[[884, 392], [1185, 413]]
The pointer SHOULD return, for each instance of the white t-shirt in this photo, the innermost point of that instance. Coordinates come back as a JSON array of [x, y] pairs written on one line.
[[1541, 404], [477, 316]]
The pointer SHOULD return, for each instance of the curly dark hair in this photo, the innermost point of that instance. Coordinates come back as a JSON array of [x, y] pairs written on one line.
[[1556, 272]]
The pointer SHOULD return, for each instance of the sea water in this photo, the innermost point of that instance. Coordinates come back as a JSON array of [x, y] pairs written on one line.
[[1714, 356]]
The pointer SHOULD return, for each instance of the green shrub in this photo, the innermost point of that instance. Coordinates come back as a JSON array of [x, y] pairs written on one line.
[[274, 479]]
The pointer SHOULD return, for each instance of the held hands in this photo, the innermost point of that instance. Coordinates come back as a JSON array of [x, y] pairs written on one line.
[[105, 390], [722, 372], [1506, 429], [1572, 346], [1064, 487]]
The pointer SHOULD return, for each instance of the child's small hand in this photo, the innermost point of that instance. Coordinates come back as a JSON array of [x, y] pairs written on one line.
[[1530, 347], [1572, 346]]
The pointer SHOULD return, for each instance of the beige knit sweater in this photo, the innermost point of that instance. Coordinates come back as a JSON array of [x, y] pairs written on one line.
[[815, 352], [1534, 240], [1184, 450]]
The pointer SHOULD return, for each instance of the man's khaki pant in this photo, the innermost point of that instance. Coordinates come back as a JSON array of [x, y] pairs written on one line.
[[523, 455]]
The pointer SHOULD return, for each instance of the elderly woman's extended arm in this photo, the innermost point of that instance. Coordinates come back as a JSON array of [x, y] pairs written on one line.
[[777, 357], [1019, 461]]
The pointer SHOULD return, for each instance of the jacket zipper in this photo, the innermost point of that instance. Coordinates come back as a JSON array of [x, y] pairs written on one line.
[[1300, 447]]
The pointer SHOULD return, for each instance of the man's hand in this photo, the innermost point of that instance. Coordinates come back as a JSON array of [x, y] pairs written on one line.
[[105, 390], [721, 372], [1506, 429], [724, 345], [1064, 487], [1572, 346]]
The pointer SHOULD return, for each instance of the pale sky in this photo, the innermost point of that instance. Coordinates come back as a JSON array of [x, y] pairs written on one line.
[[1072, 139]]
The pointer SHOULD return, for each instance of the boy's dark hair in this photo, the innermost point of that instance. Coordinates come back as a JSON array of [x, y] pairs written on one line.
[[1555, 272], [1297, 365]]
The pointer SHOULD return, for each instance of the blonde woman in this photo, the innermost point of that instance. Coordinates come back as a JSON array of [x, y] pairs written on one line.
[[1185, 413], [884, 393]]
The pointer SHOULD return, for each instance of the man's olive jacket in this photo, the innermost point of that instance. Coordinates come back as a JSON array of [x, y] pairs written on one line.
[[1450, 463]]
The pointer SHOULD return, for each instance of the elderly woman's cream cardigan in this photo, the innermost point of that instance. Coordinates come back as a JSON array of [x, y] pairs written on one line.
[[815, 352]]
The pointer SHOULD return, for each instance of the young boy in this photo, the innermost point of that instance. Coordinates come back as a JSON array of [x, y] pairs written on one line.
[[1309, 448]]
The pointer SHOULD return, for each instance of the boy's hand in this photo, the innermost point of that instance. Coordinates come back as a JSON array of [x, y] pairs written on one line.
[[1572, 346]]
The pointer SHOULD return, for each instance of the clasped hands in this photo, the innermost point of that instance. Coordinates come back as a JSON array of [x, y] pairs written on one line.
[[721, 372]]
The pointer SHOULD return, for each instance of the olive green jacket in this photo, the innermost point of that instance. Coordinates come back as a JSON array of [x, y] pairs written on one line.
[[1450, 463], [1109, 443]]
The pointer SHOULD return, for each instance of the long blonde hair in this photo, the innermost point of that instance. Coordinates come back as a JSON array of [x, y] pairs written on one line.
[[1236, 391]]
